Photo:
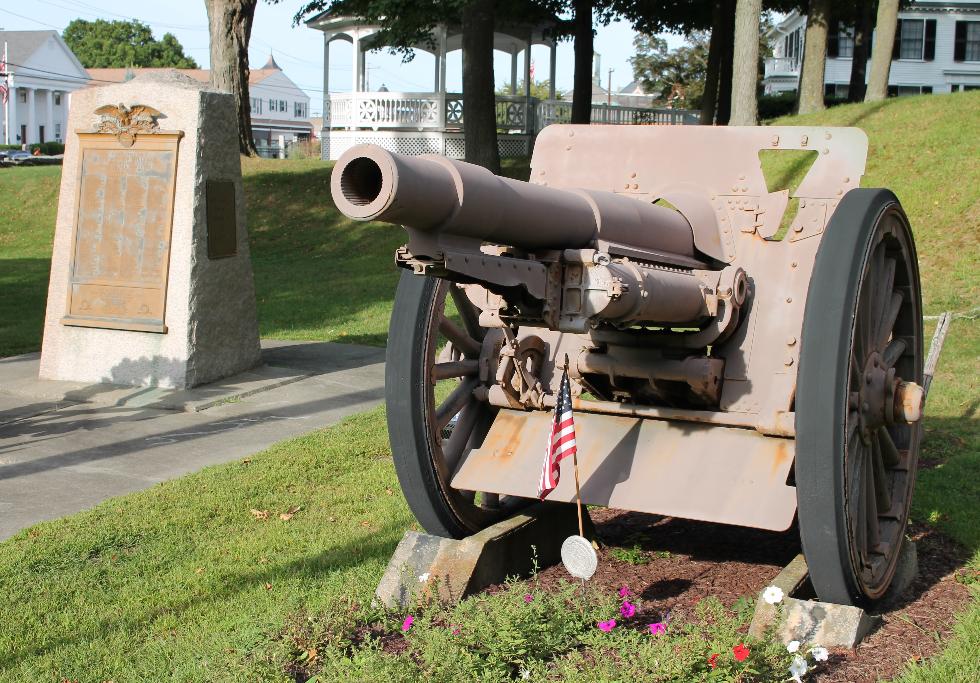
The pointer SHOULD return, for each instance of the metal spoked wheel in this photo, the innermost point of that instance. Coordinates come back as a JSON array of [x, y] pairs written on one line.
[[856, 412], [430, 424]]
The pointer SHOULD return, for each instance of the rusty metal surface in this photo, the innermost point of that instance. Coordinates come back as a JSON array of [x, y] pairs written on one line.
[[705, 472], [121, 239]]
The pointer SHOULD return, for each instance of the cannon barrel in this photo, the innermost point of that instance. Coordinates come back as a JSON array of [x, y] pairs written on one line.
[[437, 195]]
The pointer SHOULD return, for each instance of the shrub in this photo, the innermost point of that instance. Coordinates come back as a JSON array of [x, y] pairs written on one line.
[[49, 148]]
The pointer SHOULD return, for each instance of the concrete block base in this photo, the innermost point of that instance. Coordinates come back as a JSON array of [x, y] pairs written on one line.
[[823, 623], [457, 568]]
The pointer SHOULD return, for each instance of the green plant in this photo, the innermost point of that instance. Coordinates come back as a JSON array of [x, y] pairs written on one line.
[[634, 555]]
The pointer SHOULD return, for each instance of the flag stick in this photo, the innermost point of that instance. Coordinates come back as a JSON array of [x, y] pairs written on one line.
[[578, 494]]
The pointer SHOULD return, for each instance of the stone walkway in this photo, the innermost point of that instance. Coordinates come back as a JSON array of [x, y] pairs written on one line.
[[65, 446]]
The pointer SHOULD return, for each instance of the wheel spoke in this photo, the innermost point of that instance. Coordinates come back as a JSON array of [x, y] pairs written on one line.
[[462, 341], [455, 402], [874, 280], [455, 368], [855, 501], [870, 503], [889, 452], [467, 312], [883, 494], [892, 352], [453, 449], [887, 323]]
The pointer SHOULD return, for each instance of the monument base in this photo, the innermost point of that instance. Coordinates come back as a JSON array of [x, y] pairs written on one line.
[[822, 623], [457, 568]]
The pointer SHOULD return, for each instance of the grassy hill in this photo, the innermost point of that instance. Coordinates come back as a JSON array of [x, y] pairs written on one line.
[[182, 579]]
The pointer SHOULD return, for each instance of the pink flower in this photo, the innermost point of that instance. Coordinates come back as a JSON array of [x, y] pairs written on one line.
[[528, 597], [456, 631], [607, 626], [628, 609], [624, 591], [407, 624], [658, 629]]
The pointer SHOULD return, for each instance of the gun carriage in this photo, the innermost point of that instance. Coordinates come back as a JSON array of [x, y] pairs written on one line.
[[721, 369]]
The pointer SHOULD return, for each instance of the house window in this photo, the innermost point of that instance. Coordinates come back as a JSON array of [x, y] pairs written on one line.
[[912, 39], [57, 99], [282, 105], [272, 106], [22, 96], [299, 110], [845, 43], [967, 45], [255, 105], [900, 90], [57, 132]]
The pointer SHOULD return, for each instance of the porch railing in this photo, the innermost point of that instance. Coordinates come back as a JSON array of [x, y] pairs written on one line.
[[782, 66], [438, 112]]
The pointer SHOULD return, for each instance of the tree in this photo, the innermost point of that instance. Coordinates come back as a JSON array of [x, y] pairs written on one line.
[[881, 56], [479, 103], [745, 63], [584, 49], [540, 90], [814, 57], [103, 44], [230, 26], [863, 27], [663, 72]]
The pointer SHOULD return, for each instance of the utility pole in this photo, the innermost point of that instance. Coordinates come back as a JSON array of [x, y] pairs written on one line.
[[609, 88], [6, 95]]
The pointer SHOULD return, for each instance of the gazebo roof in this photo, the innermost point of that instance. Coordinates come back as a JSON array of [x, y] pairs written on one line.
[[504, 37]]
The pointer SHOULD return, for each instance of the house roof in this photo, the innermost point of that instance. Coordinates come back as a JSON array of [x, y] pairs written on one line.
[[106, 76], [21, 45]]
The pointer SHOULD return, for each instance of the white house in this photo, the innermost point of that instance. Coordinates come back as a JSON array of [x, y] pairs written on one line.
[[280, 110], [41, 75], [937, 50]]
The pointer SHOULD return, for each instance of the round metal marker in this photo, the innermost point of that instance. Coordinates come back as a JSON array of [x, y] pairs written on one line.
[[579, 558]]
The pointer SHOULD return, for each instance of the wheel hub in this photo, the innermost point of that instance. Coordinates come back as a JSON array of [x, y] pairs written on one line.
[[885, 398]]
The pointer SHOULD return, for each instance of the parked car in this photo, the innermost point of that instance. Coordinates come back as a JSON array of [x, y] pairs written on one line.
[[18, 155]]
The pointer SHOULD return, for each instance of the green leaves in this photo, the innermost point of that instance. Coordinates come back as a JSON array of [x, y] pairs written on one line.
[[118, 44]]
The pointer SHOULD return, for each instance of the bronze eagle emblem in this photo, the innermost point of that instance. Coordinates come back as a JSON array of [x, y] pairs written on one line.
[[125, 122]]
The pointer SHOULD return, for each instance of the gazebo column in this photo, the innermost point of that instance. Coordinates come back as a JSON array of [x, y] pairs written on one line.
[[325, 110], [528, 114], [513, 70], [551, 71], [440, 86]]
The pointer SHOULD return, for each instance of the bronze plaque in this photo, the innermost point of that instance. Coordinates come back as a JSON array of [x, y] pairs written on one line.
[[222, 226], [121, 254]]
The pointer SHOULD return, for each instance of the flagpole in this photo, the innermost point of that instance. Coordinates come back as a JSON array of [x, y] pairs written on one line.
[[578, 494], [6, 98]]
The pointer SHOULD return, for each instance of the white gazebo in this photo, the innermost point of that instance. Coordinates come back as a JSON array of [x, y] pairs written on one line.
[[432, 122]]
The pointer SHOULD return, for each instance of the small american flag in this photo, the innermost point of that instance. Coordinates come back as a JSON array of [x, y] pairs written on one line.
[[561, 440], [4, 90]]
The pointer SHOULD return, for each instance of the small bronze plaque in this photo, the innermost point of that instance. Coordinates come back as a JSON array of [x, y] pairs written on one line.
[[222, 226], [121, 254]]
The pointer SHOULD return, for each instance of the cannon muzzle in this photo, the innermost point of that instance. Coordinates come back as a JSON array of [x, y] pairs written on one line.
[[443, 197]]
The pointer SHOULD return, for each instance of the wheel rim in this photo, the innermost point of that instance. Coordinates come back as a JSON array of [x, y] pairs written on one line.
[[855, 456], [440, 359], [880, 453]]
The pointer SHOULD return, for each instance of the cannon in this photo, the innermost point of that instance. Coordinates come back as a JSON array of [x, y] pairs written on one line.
[[736, 354]]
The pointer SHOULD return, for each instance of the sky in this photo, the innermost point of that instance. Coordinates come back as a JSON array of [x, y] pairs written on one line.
[[299, 50]]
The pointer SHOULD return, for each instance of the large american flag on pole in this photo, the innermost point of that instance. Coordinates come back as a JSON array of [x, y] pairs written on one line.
[[4, 89], [561, 440]]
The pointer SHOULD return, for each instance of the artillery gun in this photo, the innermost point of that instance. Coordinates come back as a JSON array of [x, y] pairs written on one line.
[[722, 369]]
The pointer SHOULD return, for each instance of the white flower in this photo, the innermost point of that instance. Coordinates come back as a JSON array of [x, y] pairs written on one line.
[[423, 577], [798, 668], [819, 654], [525, 673], [772, 594], [793, 646]]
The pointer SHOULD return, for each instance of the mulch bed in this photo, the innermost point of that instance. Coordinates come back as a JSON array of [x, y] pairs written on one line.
[[693, 560]]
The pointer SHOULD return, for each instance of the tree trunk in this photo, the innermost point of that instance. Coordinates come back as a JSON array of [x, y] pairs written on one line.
[[881, 56], [230, 26], [709, 101], [745, 64], [584, 48], [859, 62], [814, 58], [479, 103], [726, 49]]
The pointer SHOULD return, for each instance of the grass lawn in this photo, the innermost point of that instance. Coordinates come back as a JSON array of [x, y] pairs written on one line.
[[184, 582]]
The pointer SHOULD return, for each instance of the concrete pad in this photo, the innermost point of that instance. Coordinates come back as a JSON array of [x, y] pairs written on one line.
[[823, 623], [60, 456], [462, 567]]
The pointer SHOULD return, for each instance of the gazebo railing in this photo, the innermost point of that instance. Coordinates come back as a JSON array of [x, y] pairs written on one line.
[[515, 114]]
